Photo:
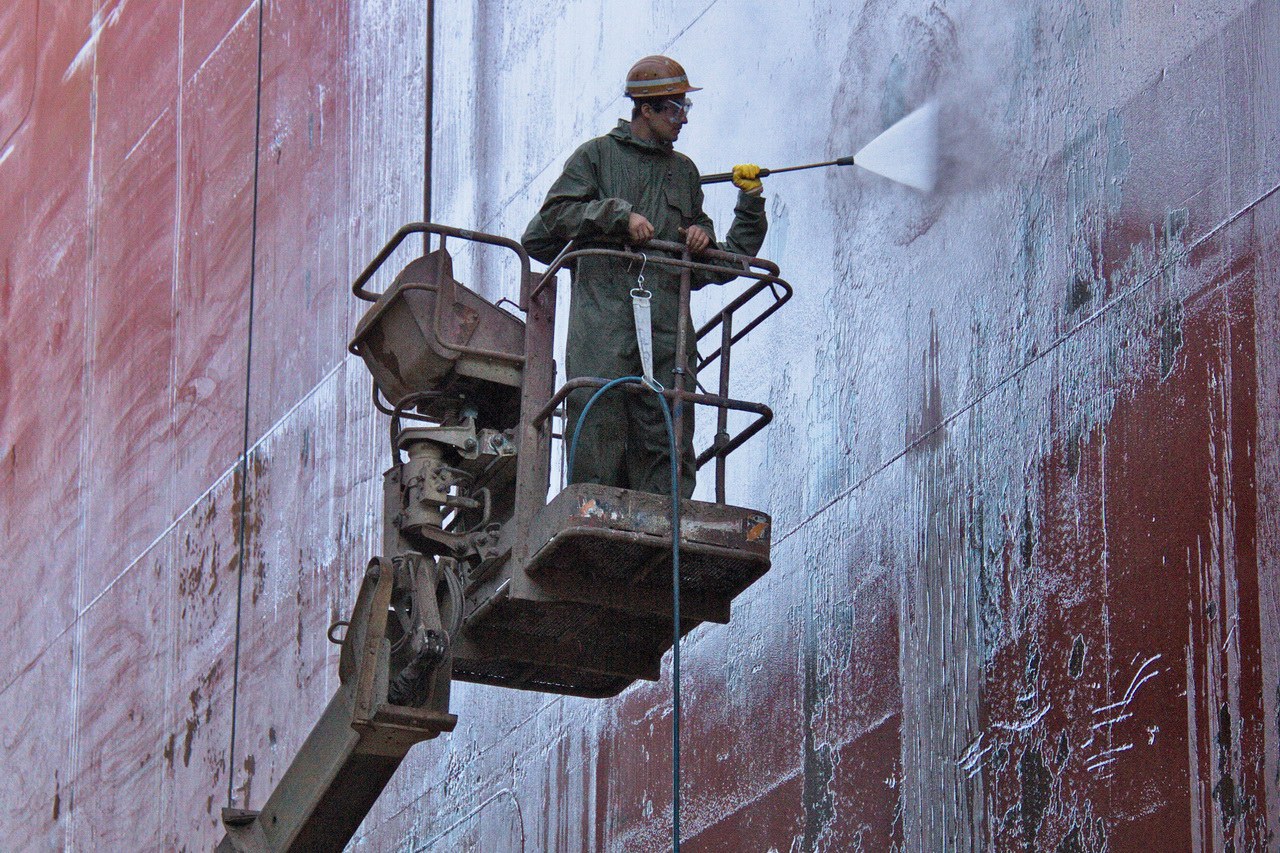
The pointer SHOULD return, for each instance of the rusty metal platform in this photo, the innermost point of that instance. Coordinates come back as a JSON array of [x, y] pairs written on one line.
[[591, 610], [591, 532]]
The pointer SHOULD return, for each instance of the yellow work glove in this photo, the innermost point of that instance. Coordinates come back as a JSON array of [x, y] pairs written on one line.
[[746, 177]]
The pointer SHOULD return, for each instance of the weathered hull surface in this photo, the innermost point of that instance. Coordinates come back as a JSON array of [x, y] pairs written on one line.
[[1024, 475]]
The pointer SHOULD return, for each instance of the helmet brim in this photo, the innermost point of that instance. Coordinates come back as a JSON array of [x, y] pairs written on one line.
[[661, 90]]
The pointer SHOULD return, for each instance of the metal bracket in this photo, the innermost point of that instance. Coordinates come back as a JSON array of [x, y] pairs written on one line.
[[461, 436]]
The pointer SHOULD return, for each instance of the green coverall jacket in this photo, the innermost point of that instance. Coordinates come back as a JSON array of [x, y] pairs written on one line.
[[624, 440]]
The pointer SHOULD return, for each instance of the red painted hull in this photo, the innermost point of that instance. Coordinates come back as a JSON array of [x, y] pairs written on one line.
[[1026, 576]]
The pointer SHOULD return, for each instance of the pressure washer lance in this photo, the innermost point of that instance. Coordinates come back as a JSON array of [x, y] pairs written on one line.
[[725, 177], [906, 153]]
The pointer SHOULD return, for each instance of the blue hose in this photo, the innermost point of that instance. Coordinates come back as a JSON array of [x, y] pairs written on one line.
[[675, 580]]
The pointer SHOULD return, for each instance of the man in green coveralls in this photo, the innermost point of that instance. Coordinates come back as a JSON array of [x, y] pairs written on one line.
[[632, 186]]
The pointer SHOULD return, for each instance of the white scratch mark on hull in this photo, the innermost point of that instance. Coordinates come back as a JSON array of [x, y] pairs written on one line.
[[1023, 725], [1134, 684], [90, 47]]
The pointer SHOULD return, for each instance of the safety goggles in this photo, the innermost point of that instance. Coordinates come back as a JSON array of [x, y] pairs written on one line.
[[682, 106]]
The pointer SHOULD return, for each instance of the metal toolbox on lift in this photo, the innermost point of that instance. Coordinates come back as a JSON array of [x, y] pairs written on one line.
[[429, 335]]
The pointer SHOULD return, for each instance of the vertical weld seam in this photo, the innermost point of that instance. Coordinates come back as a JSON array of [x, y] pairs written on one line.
[[82, 539], [244, 453], [169, 719], [168, 552], [175, 278], [428, 152]]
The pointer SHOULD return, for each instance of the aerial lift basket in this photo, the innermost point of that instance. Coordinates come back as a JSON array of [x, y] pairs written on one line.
[[481, 578], [572, 596]]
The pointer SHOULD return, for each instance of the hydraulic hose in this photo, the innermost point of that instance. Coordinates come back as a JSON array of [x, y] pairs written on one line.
[[675, 579]]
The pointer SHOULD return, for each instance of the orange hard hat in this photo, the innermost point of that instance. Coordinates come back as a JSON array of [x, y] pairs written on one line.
[[655, 76]]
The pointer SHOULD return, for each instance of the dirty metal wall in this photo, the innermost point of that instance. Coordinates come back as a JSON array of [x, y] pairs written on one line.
[[1024, 473]]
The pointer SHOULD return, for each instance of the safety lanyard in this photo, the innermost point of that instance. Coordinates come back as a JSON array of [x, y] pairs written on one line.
[[640, 307]]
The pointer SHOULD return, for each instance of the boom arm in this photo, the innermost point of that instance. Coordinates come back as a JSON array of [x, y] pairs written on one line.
[[353, 750]]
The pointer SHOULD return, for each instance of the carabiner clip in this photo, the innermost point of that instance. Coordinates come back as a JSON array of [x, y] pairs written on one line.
[[640, 290]]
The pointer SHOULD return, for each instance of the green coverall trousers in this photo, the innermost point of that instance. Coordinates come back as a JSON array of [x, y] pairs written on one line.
[[624, 439]]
